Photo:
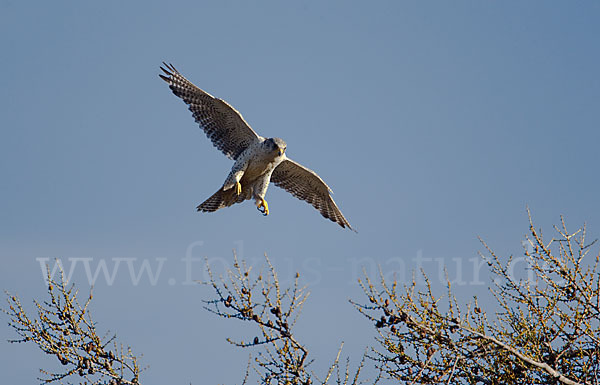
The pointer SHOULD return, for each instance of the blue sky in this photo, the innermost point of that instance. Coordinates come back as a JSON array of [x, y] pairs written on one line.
[[433, 122]]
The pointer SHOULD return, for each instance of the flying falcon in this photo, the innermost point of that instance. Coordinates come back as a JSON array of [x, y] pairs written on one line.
[[258, 160]]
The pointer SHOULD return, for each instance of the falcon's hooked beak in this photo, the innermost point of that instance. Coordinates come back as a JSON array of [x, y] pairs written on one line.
[[281, 151]]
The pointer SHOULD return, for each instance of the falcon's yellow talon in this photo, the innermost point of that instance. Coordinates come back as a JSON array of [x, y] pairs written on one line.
[[264, 206], [238, 188]]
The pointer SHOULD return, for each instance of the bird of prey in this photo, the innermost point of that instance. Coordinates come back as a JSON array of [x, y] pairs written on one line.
[[258, 160]]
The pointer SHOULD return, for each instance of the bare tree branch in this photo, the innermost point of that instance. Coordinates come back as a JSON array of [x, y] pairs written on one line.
[[63, 328], [544, 327]]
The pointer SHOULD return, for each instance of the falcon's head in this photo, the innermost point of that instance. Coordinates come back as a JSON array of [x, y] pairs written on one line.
[[276, 145]]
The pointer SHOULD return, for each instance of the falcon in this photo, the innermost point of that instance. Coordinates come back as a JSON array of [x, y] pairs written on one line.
[[257, 160]]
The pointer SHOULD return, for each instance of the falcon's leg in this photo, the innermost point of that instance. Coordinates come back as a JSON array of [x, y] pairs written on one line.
[[260, 190], [234, 177], [262, 204]]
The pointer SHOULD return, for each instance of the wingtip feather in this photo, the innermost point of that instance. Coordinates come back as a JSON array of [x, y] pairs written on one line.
[[168, 69]]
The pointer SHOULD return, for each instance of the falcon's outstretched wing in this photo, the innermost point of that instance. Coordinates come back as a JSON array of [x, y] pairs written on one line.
[[224, 126], [305, 184]]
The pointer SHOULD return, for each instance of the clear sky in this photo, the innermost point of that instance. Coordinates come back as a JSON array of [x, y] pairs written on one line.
[[433, 122]]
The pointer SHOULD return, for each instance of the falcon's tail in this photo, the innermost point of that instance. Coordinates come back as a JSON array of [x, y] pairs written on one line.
[[222, 199]]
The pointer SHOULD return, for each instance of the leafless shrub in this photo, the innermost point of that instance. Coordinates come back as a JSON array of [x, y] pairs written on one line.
[[540, 331], [64, 328], [260, 299]]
